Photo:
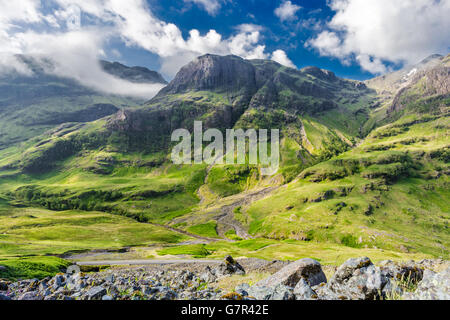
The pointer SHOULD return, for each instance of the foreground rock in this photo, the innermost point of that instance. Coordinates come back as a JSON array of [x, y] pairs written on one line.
[[292, 282], [356, 279], [308, 269], [434, 286]]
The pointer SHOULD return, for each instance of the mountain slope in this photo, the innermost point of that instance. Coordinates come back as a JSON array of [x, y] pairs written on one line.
[[358, 169], [32, 104], [389, 192]]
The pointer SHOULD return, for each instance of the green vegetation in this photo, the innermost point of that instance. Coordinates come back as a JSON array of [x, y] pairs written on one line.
[[206, 230], [361, 173], [32, 268], [195, 250]]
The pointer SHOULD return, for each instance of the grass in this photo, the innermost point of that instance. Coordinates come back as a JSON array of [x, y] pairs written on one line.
[[32, 231], [290, 250], [206, 230], [230, 283], [386, 198], [196, 250], [368, 199], [32, 267]]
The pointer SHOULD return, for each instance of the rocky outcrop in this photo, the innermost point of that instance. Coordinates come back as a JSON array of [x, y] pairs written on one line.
[[356, 279], [434, 286], [132, 74], [212, 72], [307, 269]]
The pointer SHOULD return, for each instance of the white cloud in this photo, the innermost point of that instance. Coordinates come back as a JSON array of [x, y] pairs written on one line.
[[287, 11], [281, 57], [76, 48], [211, 6], [372, 31]]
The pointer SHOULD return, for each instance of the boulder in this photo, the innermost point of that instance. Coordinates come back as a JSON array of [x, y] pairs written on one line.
[[30, 296], [308, 269], [209, 276], [279, 292], [96, 293], [409, 271], [229, 267], [303, 291], [356, 279], [434, 286], [243, 289]]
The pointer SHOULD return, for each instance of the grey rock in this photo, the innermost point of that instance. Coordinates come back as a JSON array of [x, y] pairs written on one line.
[[30, 296], [243, 289], [283, 293], [73, 270], [208, 276], [59, 281], [260, 292], [110, 278], [308, 269], [107, 298], [229, 267], [280, 292], [434, 286], [356, 279], [96, 293], [303, 291], [4, 297], [409, 271]]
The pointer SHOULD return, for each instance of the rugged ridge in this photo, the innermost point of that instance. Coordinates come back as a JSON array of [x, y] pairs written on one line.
[[132, 74]]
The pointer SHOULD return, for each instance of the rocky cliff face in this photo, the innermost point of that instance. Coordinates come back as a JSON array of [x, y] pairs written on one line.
[[216, 73], [432, 83], [223, 90], [132, 74]]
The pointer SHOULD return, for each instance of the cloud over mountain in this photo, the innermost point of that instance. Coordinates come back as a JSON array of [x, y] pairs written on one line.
[[372, 32], [75, 32]]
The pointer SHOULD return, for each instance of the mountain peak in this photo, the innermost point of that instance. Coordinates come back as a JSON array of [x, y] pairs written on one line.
[[430, 58], [212, 72], [132, 74]]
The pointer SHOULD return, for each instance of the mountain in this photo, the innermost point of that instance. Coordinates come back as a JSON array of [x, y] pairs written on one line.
[[132, 74], [229, 91], [30, 105], [364, 165]]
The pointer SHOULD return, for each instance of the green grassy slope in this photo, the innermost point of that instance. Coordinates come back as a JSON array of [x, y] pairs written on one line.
[[93, 186]]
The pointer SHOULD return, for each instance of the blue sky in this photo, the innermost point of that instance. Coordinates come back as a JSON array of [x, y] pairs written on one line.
[[357, 39], [288, 35]]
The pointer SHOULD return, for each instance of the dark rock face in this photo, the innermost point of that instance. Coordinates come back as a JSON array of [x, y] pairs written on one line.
[[132, 74], [221, 89], [426, 84], [211, 72], [308, 269], [91, 113]]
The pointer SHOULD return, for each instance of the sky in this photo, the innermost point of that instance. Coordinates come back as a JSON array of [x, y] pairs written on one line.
[[356, 39]]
